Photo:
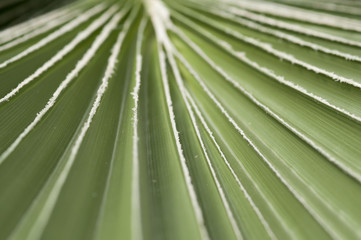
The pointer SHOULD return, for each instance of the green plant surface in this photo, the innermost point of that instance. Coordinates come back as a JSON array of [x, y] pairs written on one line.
[[186, 120]]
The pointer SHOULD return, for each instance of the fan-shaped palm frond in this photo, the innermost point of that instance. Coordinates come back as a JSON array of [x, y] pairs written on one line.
[[182, 120]]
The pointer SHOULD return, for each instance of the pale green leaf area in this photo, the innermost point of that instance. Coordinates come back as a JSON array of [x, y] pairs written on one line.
[[160, 119]]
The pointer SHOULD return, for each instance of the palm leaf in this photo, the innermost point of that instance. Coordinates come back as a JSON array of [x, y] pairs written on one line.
[[182, 120]]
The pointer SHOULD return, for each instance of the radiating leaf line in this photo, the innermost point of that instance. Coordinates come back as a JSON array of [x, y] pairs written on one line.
[[331, 208], [276, 117], [196, 206], [281, 35], [51, 25], [288, 26], [53, 36], [242, 57], [347, 169], [105, 81], [244, 191], [80, 65], [253, 99], [255, 208], [26, 219], [329, 229], [330, 6], [348, 221], [205, 125], [179, 80], [10, 40], [269, 49], [136, 195], [230, 119], [186, 174], [51, 200], [62, 53], [300, 14], [326, 6], [116, 143], [33, 24], [294, 192], [343, 3], [314, 191], [347, 166], [159, 15], [221, 119]]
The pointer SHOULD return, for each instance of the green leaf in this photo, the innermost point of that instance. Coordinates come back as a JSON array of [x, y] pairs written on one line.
[[182, 120]]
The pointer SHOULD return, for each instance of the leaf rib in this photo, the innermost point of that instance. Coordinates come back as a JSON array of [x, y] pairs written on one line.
[[298, 14], [80, 65], [66, 28], [269, 49], [291, 27], [51, 200], [196, 48], [136, 199], [154, 8], [40, 30], [195, 126], [239, 130], [27, 27], [204, 87], [279, 34], [205, 125], [61, 54]]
